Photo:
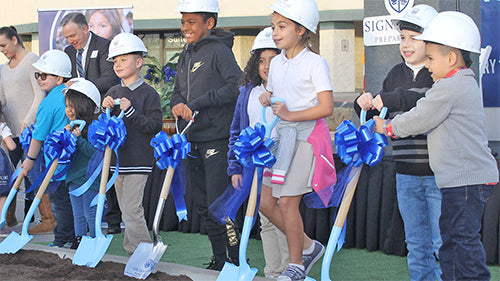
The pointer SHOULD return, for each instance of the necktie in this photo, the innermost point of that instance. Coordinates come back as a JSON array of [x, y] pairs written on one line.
[[79, 63]]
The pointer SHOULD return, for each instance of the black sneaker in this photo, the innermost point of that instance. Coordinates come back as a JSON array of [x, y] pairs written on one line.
[[215, 263], [114, 229]]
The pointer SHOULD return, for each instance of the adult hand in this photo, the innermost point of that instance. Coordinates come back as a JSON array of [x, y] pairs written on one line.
[[365, 101], [236, 180]]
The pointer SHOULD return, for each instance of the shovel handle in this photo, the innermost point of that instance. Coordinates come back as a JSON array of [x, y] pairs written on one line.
[[105, 170], [252, 199], [47, 179], [167, 182], [18, 181], [346, 201]]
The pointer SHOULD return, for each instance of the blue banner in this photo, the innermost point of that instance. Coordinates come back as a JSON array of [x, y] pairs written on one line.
[[490, 36]]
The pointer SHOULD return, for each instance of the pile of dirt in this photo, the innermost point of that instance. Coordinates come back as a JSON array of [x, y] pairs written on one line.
[[38, 265]]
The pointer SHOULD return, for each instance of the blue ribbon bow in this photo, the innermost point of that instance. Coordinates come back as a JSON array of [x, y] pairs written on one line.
[[252, 149], [356, 147], [25, 137], [169, 152]]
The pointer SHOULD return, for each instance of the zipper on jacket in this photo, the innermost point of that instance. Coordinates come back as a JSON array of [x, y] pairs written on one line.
[[188, 71]]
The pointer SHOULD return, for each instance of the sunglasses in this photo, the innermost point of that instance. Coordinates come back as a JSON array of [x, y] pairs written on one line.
[[42, 76]]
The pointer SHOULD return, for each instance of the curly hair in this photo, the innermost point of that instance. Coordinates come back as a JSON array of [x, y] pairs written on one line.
[[84, 107], [251, 73]]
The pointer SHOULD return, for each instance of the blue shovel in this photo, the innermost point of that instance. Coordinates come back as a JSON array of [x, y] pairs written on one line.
[[343, 211], [14, 242], [10, 197], [243, 272]]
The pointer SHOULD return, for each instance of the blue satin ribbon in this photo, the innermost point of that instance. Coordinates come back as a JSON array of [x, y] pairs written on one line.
[[25, 137], [252, 151], [170, 152], [106, 131], [361, 146]]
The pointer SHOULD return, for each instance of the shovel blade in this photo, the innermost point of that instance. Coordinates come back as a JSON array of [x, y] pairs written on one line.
[[91, 250], [144, 260], [14, 242], [231, 272]]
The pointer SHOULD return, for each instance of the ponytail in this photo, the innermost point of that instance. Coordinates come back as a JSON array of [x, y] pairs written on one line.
[[11, 31]]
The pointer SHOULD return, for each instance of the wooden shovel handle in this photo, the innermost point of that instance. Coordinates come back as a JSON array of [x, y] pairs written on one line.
[[105, 170], [47, 179], [167, 182], [347, 199], [252, 199], [18, 181]]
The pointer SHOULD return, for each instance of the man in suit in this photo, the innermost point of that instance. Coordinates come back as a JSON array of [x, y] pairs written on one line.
[[88, 53]]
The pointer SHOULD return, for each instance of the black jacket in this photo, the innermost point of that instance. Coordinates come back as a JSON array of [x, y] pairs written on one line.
[[142, 120], [207, 77], [400, 93], [97, 69]]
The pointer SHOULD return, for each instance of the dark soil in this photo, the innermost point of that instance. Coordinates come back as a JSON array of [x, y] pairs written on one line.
[[38, 265]]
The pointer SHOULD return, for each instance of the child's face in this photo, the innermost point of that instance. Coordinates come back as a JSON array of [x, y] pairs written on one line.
[[126, 66], [264, 62], [70, 110], [286, 35], [412, 50], [47, 81], [437, 63], [100, 25], [194, 28]]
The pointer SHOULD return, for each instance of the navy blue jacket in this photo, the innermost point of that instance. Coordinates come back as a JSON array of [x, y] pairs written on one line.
[[240, 122]]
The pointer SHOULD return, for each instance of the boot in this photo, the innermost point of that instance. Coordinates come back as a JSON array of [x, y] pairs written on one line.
[[48, 221], [10, 217]]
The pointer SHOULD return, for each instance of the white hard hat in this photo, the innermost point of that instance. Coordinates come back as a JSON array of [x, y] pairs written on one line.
[[55, 62], [197, 6], [87, 88], [264, 40], [125, 43], [419, 15], [304, 12], [453, 29]]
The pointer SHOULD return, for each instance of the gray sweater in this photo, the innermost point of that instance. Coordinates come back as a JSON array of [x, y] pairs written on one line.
[[452, 115]]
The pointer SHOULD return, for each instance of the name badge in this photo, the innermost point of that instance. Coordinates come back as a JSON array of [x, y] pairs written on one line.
[[94, 53]]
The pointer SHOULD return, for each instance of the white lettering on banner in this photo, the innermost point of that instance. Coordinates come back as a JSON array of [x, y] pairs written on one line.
[[380, 31], [490, 68]]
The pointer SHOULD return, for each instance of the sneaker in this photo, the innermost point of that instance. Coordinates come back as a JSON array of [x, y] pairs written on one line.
[[292, 273], [76, 242], [215, 263], [5, 231], [311, 259], [66, 245]]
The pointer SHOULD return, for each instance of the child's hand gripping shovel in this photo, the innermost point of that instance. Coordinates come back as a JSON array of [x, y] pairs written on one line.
[[355, 157], [61, 145], [243, 272], [109, 132], [169, 152]]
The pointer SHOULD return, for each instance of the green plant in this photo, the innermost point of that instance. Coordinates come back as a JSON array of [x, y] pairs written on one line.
[[162, 79]]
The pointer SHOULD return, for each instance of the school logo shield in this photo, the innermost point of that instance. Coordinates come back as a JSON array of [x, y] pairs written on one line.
[[398, 7]]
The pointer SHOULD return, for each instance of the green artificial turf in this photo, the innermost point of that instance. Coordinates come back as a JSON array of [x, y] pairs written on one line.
[[194, 249]]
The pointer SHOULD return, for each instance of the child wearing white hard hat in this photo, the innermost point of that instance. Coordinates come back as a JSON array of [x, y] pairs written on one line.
[[247, 113], [419, 199], [301, 78], [53, 69], [143, 119], [452, 116], [82, 103], [206, 81]]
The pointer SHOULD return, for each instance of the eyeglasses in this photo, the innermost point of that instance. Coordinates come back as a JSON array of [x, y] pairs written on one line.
[[42, 76]]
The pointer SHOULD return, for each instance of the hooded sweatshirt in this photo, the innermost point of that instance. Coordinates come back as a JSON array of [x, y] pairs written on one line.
[[206, 81]]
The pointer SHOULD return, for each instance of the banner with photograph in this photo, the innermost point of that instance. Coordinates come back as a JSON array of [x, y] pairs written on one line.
[[490, 36], [105, 22]]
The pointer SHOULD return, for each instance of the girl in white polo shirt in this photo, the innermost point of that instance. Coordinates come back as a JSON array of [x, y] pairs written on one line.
[[301, 78]]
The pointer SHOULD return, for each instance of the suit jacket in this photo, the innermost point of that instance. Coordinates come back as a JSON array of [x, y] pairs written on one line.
[[97, 68]]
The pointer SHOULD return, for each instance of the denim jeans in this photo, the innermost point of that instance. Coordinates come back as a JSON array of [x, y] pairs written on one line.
[[83, 214], [419, 201], [61, 207], [462, 254]]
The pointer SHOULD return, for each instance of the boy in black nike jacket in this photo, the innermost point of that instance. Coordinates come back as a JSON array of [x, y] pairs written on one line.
[[206, 81]]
